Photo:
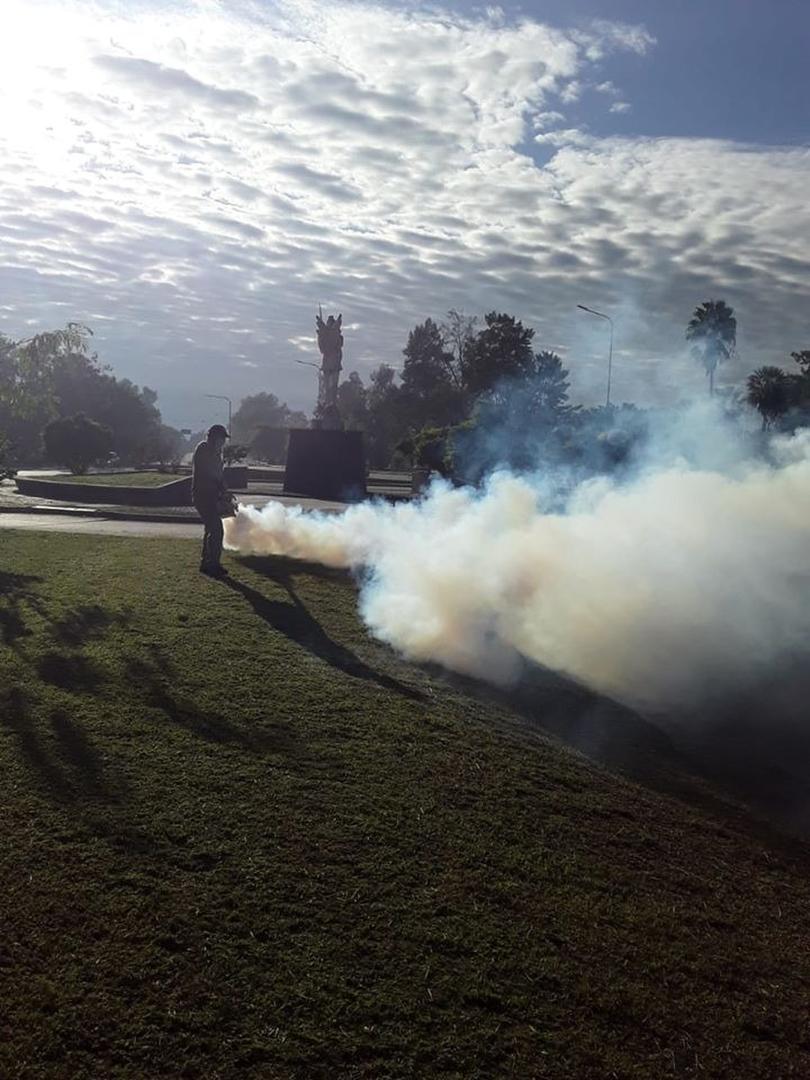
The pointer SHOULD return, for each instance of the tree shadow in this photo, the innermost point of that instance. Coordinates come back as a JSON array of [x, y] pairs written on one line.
[[596, 726], [68, 766], [296, 623], [155, 678], [69, 671], [85, 761], [16, 591], [85, 623], [756, 743]]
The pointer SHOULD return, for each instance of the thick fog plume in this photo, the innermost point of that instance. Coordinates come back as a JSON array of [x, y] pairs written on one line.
[[665, 590]]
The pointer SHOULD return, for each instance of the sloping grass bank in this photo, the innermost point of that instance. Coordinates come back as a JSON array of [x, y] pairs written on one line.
[[240, 839]]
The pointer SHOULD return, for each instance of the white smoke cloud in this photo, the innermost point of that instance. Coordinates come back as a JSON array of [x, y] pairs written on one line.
[[664, 592]]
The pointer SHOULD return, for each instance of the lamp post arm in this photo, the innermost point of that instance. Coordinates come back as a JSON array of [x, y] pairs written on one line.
[[601, 315]]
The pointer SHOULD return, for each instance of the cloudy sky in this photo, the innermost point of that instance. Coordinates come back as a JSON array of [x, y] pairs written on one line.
[[191, 179]]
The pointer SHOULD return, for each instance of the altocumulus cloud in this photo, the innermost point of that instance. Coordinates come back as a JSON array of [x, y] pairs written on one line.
[[193, 183]]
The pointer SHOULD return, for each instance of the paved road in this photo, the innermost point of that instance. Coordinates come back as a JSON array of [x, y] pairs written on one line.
[[100, 526], [52, 521]]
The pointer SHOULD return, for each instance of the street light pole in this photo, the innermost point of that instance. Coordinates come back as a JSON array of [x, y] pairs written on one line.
[[610, 353], [221, 397]]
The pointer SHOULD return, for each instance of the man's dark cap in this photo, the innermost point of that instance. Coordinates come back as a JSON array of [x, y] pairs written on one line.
[[218, 429]]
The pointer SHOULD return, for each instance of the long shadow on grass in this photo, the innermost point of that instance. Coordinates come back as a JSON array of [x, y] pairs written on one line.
[[295, 622], [755, 749], [156, 683], [756, 742], [16, 593], [70, 671], [753, 745], [604, 731], [281, 569], [600, 728], [765, 765], [64, 760], [85, 623]]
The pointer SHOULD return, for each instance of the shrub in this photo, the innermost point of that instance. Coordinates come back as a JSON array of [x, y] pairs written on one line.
[[234, 453], [77, 442], [7, 468]]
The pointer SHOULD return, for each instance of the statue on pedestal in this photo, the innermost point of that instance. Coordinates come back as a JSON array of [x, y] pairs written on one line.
[[330, 343], [323, 460]]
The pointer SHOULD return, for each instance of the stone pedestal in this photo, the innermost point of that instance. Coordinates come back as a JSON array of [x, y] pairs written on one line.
[[326, 464]]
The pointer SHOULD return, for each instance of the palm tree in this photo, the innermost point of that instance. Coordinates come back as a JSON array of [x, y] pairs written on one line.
[[769, 393], [713, 333]]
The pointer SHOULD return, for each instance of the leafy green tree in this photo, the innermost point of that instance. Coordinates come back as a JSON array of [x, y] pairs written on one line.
[[712, 331], [386, 424], [429, 392], [76, 441], [458, 335], [263, 410], [27, 367], [522, 422], [54, 374], [166, 445], [501, 350], [801, 382], [131, 413], [7, 466], [234, 453], [352, 403], [769, 393], [536, 400], [27, 394], [428, 449], [270, 445], [800, 390], [548, 386]]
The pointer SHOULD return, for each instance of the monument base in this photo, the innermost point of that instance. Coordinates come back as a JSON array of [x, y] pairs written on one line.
[[326, 464]]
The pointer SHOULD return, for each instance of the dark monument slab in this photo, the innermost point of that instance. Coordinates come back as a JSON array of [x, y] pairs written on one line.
[[326, 464]]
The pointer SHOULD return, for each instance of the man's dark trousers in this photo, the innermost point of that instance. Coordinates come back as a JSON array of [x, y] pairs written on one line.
[[213, 532]]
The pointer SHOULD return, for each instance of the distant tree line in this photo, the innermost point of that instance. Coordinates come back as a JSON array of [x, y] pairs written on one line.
[[472, 394], [260, 425], [52, 377], [59, 404]]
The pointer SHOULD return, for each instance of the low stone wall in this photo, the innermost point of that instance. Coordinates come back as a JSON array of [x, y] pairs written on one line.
[[236, 477], [173, 493]]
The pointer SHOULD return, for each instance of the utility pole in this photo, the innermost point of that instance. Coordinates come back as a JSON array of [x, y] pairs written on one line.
[[601, 315], [221, 397]]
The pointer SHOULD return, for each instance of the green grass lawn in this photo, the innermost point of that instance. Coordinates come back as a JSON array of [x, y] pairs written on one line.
[[132, 479], [240, 839]]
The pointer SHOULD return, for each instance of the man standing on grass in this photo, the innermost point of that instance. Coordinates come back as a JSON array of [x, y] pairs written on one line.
[[208, 493]]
